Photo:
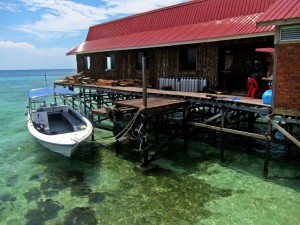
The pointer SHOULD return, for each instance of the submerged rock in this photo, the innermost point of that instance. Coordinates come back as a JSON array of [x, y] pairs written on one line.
[[96, 197], [32, 194], [80, 216], [34, 177], [46, 210], [52, 184], [7, 198], [52, 187], [2, 210], [11, 180], [81, 190], [73, 177]]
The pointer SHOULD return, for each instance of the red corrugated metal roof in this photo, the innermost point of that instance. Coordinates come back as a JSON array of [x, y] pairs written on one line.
[[239, 27], [280, 10], [194, 21]]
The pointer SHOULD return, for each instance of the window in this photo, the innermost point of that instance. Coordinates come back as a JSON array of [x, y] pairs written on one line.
[[86, 62], [110, 62], [187, 58], [290, 33], [139, 57]]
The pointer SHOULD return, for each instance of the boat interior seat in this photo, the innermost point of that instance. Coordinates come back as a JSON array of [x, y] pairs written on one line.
[[76, 122], [40, 121]]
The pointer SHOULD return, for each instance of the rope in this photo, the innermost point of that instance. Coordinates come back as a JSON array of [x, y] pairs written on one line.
[[122, 133], [130, 124]]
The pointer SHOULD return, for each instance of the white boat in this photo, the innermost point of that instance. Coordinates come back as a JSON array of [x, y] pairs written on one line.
[[58, 128]]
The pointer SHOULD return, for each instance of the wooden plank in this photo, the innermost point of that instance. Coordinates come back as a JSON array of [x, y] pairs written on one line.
[[184, 95], [227, 130], [284, 132], [152, 103]]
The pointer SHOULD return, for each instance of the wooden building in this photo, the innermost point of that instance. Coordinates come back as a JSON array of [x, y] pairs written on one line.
[[214, 39], [224, 41]]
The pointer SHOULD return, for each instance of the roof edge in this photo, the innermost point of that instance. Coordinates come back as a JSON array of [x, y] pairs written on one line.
[[280, 22], [262, 34]]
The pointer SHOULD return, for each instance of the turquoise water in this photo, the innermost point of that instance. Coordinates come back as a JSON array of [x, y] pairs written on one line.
[[96, 187]]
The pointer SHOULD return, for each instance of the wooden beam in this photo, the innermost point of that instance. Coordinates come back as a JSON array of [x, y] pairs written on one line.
[[227, 130], [212, 118], [284, 132]]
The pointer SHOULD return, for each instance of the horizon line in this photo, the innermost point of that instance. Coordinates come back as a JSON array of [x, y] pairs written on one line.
[[39, 69]]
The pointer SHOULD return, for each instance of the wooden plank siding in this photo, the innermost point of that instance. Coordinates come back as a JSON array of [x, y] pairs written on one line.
[[164, 61]]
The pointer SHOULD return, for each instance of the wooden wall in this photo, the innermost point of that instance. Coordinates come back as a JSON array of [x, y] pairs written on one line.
[[163, 61]]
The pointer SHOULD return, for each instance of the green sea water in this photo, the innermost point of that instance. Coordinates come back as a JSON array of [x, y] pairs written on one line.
[[97, 187]]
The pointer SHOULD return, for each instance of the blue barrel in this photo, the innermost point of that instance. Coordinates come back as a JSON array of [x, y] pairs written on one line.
[[267, 97]]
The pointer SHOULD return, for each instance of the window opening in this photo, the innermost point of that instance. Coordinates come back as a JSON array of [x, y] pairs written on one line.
[[110, 62], [86, 62], [187, 58], [139, 57]]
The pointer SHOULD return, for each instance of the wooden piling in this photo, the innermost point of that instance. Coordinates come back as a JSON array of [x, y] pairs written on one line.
[[222, 135], [267, 152]]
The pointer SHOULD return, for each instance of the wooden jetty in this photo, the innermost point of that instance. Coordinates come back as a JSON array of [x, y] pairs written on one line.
[[220, 113], [183, 54]]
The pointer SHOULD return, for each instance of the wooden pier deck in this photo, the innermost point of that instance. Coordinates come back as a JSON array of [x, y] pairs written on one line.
[[220, 113], [231, 101], [181, 94]]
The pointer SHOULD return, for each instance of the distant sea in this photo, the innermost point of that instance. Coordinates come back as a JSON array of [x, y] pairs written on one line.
[[97, 187]]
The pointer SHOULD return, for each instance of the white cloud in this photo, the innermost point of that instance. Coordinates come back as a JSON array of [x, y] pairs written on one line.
[[61, 17], [64, 17], [8, 6], [137, 6], [37, 58], [11, 44]]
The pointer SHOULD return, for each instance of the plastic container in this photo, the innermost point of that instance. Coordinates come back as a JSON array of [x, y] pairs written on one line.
[[267, 97]]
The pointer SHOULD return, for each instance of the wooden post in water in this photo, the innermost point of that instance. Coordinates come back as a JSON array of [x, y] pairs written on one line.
[[251, 120], [289, 147], [84, 100], [146, 158], [92, 121], [268, 146], [144, 81], [185, 128], [222, 135]]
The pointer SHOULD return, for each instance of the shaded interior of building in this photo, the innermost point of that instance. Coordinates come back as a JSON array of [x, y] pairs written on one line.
[[226, 64]]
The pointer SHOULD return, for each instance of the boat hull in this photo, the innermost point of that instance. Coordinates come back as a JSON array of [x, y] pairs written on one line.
[[62, 143], [65, 150]]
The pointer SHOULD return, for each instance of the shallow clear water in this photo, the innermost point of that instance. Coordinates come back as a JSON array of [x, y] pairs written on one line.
[[96, 187]]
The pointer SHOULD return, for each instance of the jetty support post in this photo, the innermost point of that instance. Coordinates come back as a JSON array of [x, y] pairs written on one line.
[[289, 147], [84, 100], [251, 120], [185, 115], [222, 134], [92, 121], [268, 146], [146, 153]]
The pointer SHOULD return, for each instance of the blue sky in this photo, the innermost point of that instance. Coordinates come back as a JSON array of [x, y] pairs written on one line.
[[37, 34]]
